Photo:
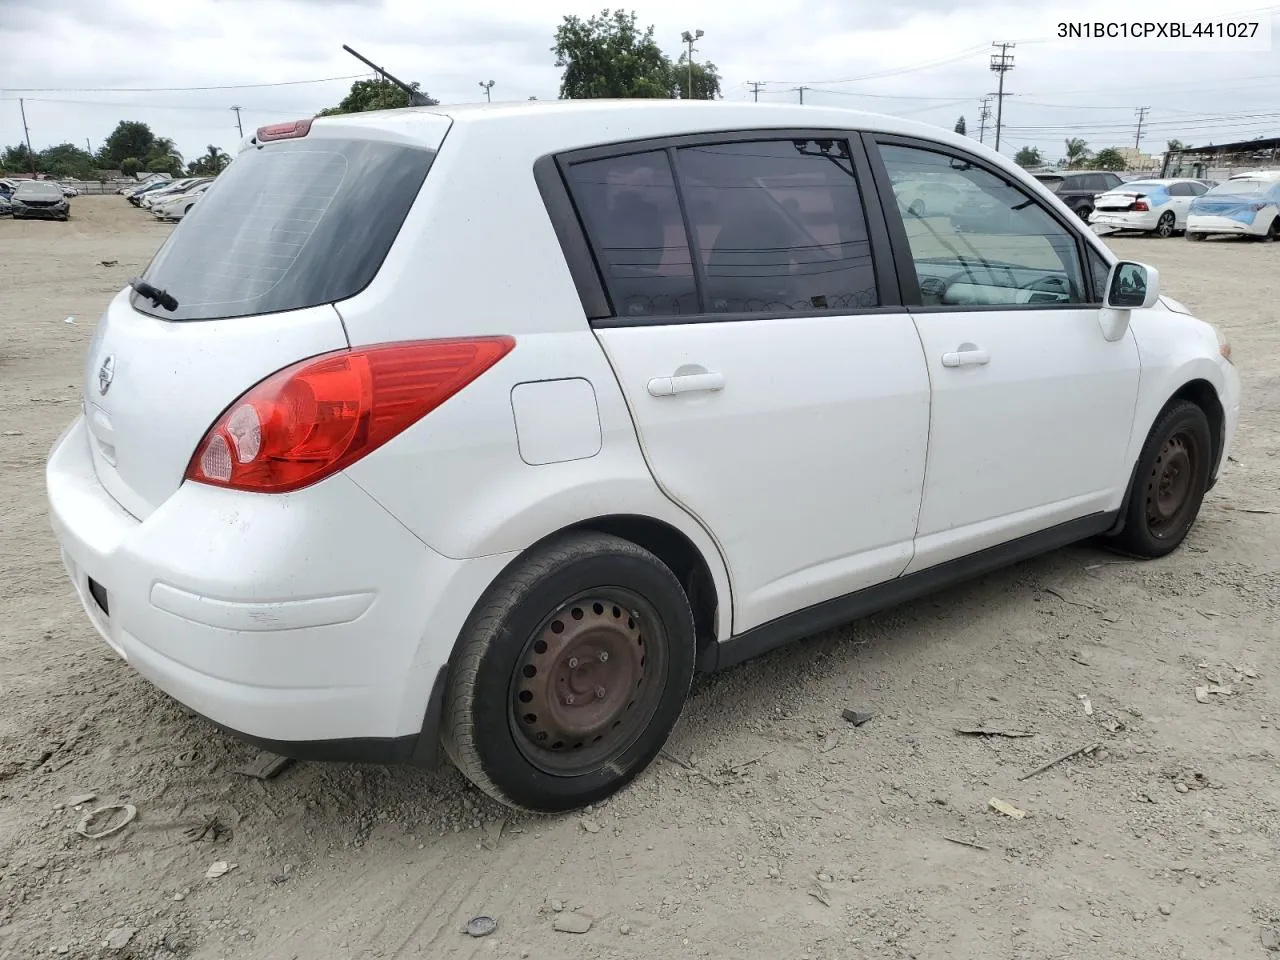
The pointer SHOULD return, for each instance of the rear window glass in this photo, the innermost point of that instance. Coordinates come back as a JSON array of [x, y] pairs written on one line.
[[286, 226], [1240, 188], [1051, 183]]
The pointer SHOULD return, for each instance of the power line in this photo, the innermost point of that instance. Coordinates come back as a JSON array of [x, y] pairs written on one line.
[[225, 86], [755, 86], [1001, 63], [800, 90], [893, 71]]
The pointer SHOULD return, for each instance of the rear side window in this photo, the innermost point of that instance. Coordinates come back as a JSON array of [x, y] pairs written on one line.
[[778, 226], [288, 225], [633, 217]]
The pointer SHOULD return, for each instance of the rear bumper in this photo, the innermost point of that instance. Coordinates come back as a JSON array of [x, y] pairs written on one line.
[[1125, 219], [1207, 224], [312, 623]]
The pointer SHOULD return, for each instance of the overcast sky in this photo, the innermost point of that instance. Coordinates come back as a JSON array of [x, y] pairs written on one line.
[[922, 58]]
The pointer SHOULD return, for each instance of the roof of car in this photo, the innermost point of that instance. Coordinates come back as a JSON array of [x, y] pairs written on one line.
[[607, 121]]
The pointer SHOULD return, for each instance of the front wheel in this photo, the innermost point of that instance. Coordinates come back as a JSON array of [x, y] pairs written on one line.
[[1084, 213], [1165, 225], [1170, 483], [570, 674]]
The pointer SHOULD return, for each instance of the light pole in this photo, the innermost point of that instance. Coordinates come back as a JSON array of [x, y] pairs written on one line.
[[488, 85], [688, 38]]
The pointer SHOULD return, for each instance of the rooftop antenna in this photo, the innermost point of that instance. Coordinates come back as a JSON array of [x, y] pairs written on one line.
[[416, 98]]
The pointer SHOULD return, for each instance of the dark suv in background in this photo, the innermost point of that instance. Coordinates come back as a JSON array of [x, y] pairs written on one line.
[[1077, 189]]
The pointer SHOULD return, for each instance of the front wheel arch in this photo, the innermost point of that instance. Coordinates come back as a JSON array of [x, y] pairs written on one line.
[[1202, 393]]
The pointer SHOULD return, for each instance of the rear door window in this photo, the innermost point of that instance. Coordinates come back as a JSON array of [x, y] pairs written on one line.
[[778, 226], [633, 218], [288, 225]]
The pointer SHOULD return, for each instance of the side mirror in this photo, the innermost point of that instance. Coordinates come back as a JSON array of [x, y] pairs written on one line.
[[1130, 286]]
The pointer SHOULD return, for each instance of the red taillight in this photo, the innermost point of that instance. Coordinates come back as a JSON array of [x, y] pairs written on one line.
[[1140, 205], [312, 419], [284, 131]]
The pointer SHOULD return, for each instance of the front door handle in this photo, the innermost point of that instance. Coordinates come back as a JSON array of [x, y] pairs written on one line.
[[966, 355], [687, 383]]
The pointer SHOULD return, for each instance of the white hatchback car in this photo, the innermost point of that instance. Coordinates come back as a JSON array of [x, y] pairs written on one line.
[[489, 426], [1247, 205], [1149, 206]]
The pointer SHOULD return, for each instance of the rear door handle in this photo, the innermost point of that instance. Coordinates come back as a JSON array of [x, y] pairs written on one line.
[[688, 383], [967, 355]]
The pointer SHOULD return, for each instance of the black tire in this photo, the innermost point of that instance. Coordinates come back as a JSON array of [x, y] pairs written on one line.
[[1273, 231], [1170, 482], [1194, 236], [1084, 212], [538, 641], [1166, 225]]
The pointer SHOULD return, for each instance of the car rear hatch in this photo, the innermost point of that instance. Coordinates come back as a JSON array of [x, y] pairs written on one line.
[[287, 231]]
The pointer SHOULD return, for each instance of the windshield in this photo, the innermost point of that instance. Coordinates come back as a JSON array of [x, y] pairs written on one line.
[[1240, 188], [38, 190], [289, 225]]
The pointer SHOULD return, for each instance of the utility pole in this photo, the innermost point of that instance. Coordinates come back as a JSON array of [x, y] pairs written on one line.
[[1001, 63], [1142, 116], [755, 86], [239, 125], [688, 39], [488, 86], [22, 106], [983, 116], [801, 90]]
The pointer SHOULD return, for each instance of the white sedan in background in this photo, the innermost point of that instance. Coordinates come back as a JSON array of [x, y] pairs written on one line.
[[1151, 206], [178, 206], [1247, 205]]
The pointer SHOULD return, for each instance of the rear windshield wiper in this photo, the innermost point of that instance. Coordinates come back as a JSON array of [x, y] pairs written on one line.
[[158, 297]]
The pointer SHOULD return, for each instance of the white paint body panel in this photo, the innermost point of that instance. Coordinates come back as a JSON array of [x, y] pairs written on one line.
[[819, 418], [556, 420]]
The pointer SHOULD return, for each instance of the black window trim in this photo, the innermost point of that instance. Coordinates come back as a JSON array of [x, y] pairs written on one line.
[[550, 175], [905, 263]]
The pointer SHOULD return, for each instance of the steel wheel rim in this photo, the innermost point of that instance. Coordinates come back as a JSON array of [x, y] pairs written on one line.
[[584, 688], [1171, 483], [1165, 226]]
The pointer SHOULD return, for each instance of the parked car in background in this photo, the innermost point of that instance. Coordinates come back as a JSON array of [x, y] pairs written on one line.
[[6, 208], [726, 393], [131, 188], [137, 196], [168, 191], [1246, 205], [177, 206], [68, 191], [1149, 206], [40, 200], [1078, 188]]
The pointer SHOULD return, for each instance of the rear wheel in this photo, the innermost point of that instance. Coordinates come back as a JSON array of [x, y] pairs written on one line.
[[1171, 480], [1273, 232], [1165, 225], [570, 674]]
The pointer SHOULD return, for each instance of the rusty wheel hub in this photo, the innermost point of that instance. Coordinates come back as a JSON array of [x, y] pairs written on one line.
[[1170, 484], [578, 683]]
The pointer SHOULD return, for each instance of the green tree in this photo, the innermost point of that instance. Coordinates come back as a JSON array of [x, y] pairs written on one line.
[[705, 76], [66, 161], [211, 163], [16, 159], [609, 56], [163, 157], [372, 95], [1175, 146], [961, 127], [130, 166], [130, 138], [1108, 159], [1077, 152], [1028, 157]]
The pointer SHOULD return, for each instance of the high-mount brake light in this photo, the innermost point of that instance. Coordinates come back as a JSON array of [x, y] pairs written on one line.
[[314, 418], [291, 130]]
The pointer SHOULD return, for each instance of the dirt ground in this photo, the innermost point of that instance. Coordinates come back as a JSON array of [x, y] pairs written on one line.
[[771, 828]]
